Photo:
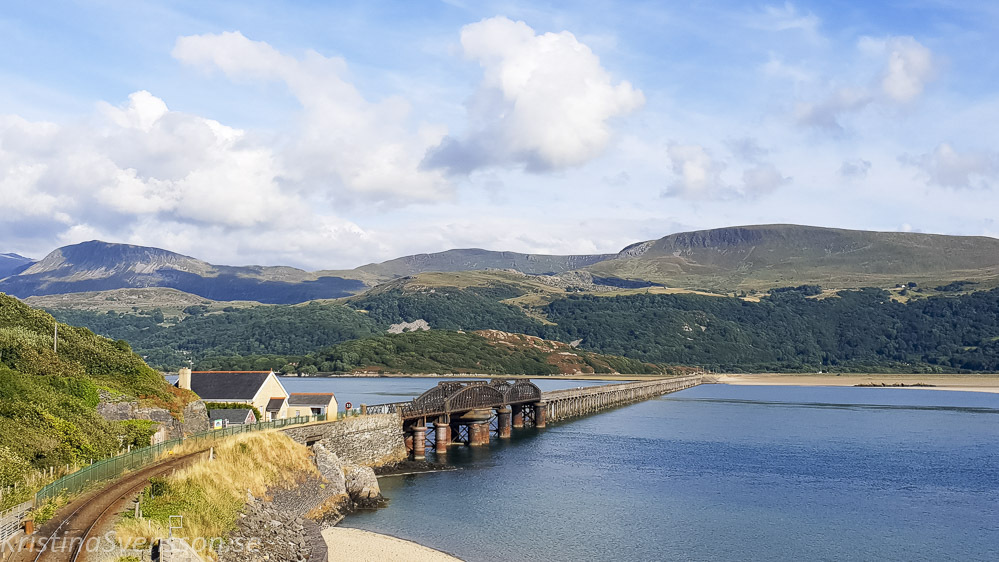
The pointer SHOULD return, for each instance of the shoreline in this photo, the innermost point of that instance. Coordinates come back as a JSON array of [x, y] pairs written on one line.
[[960, 383], [346, 544]]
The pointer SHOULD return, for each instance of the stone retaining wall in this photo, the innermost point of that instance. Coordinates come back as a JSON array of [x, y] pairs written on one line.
[[371, 440]]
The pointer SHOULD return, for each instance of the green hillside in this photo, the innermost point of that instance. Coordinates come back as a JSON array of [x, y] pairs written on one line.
[[439, 351], [48, 398], [475, 259], [765, 256]]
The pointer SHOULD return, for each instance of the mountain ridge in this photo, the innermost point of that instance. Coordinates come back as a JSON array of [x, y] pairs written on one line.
[[729, 259], [766, 256]]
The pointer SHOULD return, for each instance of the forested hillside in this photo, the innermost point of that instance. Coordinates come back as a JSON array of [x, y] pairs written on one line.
[[856, 330], [48, 398], [169, 344], [789, 330], [439, 351]]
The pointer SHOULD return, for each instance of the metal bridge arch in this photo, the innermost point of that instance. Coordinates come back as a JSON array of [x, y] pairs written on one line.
[[461, 396]]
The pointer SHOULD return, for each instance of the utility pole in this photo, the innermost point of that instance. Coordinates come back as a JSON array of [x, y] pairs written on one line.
[[55, 339]]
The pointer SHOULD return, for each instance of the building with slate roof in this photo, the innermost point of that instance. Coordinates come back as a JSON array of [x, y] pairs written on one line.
[[235, 416], [261, 389], [311, 403]]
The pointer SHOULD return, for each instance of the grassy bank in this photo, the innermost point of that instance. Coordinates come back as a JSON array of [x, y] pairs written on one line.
[[211, 494]]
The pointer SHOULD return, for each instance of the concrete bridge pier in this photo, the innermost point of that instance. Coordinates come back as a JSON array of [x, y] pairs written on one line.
[[478, 434], [442, 435], [540, 413], [518, 416], [419, 442], [503, 421]]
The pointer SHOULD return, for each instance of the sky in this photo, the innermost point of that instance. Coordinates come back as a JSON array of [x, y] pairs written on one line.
[[329, 135]]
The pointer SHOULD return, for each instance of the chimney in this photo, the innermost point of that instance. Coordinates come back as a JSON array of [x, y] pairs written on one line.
[[185, 379]]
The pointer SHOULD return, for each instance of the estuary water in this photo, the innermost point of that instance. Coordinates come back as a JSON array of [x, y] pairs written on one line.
[[714, 472]]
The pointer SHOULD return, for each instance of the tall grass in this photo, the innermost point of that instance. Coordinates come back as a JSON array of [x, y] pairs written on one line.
[[211, 493]]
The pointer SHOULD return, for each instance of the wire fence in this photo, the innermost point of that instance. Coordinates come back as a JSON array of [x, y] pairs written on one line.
[[113, 467]]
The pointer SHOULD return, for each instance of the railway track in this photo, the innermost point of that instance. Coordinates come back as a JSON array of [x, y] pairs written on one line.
[[81, 523]]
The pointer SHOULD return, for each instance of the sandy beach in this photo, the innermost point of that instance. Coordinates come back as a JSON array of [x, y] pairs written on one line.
[[355, 545], [965, 383]]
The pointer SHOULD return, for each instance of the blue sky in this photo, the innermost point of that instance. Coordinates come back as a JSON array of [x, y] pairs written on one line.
[[328, 135]]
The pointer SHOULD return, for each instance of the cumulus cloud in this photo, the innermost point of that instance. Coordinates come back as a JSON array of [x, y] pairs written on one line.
[[700, 175], [855, 169], [747, 148], [762, 179], [345, 145], [139, 159], [545, 102], [910, 66], [141, 173], [907, 67], [826, 113], [946, 167], [697, 174]]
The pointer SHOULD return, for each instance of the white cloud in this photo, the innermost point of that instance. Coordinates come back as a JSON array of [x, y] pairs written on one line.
[[762, 179], [909, 68], [786, 18], [946, 167], [826, 113], [345, 146], [545, 101], [855, 169], [700, 175], [697, 174], [906, 68]]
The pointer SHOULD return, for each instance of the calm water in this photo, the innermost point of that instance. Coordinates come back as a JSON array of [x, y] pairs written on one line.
[[716, 473]]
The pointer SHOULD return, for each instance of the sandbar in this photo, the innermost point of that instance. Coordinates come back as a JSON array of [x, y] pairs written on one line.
[[356, 545]]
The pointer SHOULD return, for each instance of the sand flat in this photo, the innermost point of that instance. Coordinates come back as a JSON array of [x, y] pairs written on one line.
[[356, 545], [965, 383]]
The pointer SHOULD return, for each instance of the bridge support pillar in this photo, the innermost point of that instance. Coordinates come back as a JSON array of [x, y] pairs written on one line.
[[518, 415], [419, 443], [478, 434], [540, 413], [503, 416], [442, 436]]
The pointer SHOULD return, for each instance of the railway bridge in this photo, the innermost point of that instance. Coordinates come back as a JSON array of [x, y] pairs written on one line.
[[471, 412]]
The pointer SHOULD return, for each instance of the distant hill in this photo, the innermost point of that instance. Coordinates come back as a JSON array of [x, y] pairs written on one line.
[[765, 256], [723, 260], [12, 264], [170, 302], [438, 351], [475, 259], [101, 266]]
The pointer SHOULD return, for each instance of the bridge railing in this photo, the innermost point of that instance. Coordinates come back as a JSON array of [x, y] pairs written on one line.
[[113, 467], [605, 388], [10, 520]]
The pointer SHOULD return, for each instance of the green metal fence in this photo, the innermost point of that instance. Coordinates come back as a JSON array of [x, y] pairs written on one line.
[[113, 467]]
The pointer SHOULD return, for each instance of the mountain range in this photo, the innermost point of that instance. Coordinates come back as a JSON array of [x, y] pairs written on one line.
[[744, 258]]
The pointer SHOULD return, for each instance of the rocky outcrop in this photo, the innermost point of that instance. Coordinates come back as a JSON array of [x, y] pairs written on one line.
[[331, 469], [271, 531], [414, 326], [194, 417], [362, 484]]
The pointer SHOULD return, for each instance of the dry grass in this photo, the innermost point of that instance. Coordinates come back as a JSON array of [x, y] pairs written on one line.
[[210, 494]]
